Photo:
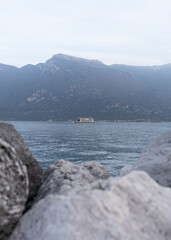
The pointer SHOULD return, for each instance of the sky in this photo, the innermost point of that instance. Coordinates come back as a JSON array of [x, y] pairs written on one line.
[[132, 32]]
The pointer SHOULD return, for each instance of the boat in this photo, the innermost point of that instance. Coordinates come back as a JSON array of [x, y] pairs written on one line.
[[84, 120]]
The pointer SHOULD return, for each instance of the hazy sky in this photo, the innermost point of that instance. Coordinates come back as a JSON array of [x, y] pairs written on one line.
[[135, 32]]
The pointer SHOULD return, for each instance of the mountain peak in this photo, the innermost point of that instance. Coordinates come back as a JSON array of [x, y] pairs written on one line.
[[65, 57]]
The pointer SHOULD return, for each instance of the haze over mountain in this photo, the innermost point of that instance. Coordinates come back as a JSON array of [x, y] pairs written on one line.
[[66, 87]]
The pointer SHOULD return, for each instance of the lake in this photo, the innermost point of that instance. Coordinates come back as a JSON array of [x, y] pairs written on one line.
[[113, 144]]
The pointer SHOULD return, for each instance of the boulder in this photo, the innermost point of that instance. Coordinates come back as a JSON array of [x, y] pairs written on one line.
[[155, 160], [14, 188], [10, 135], [62, 176], [133, 207]]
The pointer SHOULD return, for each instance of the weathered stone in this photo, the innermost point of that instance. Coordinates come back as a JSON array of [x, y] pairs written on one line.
[[62, 176], [13, 188], [10, 135], [133, 207], [155, 160]]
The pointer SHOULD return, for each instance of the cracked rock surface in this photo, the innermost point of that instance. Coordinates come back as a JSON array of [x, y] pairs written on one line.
[[14, 188], [11, 136], [62, 176]]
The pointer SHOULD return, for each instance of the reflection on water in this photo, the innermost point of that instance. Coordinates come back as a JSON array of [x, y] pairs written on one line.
[[111, 144]]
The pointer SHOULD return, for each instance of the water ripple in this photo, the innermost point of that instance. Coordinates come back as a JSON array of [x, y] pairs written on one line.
[[111, 144]]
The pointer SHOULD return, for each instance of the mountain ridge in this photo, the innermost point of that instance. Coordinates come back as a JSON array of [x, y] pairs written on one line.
[[69, 57], [66, 87]]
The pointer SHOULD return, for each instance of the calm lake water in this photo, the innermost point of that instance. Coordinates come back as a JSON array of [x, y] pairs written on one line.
[[111, 144]]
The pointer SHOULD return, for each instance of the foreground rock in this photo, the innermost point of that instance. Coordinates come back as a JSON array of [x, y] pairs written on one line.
[[133, 207], [10, 135], [63, 176], [156, 161], [13, 188]]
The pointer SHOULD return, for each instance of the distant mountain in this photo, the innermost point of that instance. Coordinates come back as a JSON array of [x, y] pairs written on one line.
[[66, 87], [155, 77]]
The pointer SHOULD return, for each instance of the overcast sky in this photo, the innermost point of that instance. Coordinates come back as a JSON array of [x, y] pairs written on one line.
[[131, 32]]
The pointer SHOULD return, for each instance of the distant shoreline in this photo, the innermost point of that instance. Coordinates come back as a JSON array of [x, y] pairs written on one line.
[[72, 121]]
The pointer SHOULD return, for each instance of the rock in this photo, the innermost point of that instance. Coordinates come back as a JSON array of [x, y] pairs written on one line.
[[10, 135], [14, 188], [62, 176], [156, 161], [133, 207]]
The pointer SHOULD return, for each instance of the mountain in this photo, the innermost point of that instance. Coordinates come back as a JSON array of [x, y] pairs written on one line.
[[156, 77], [66, 87]]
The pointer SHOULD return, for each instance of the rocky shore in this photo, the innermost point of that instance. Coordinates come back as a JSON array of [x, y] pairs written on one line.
[[71, 202]]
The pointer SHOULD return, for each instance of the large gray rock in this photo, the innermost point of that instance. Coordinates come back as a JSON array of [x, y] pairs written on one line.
[[62, 176], [133, 207], [155, 160], [10, 135], [13, 188]]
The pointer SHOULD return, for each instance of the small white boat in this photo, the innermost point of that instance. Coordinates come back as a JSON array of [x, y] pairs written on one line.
[[84, 120]]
